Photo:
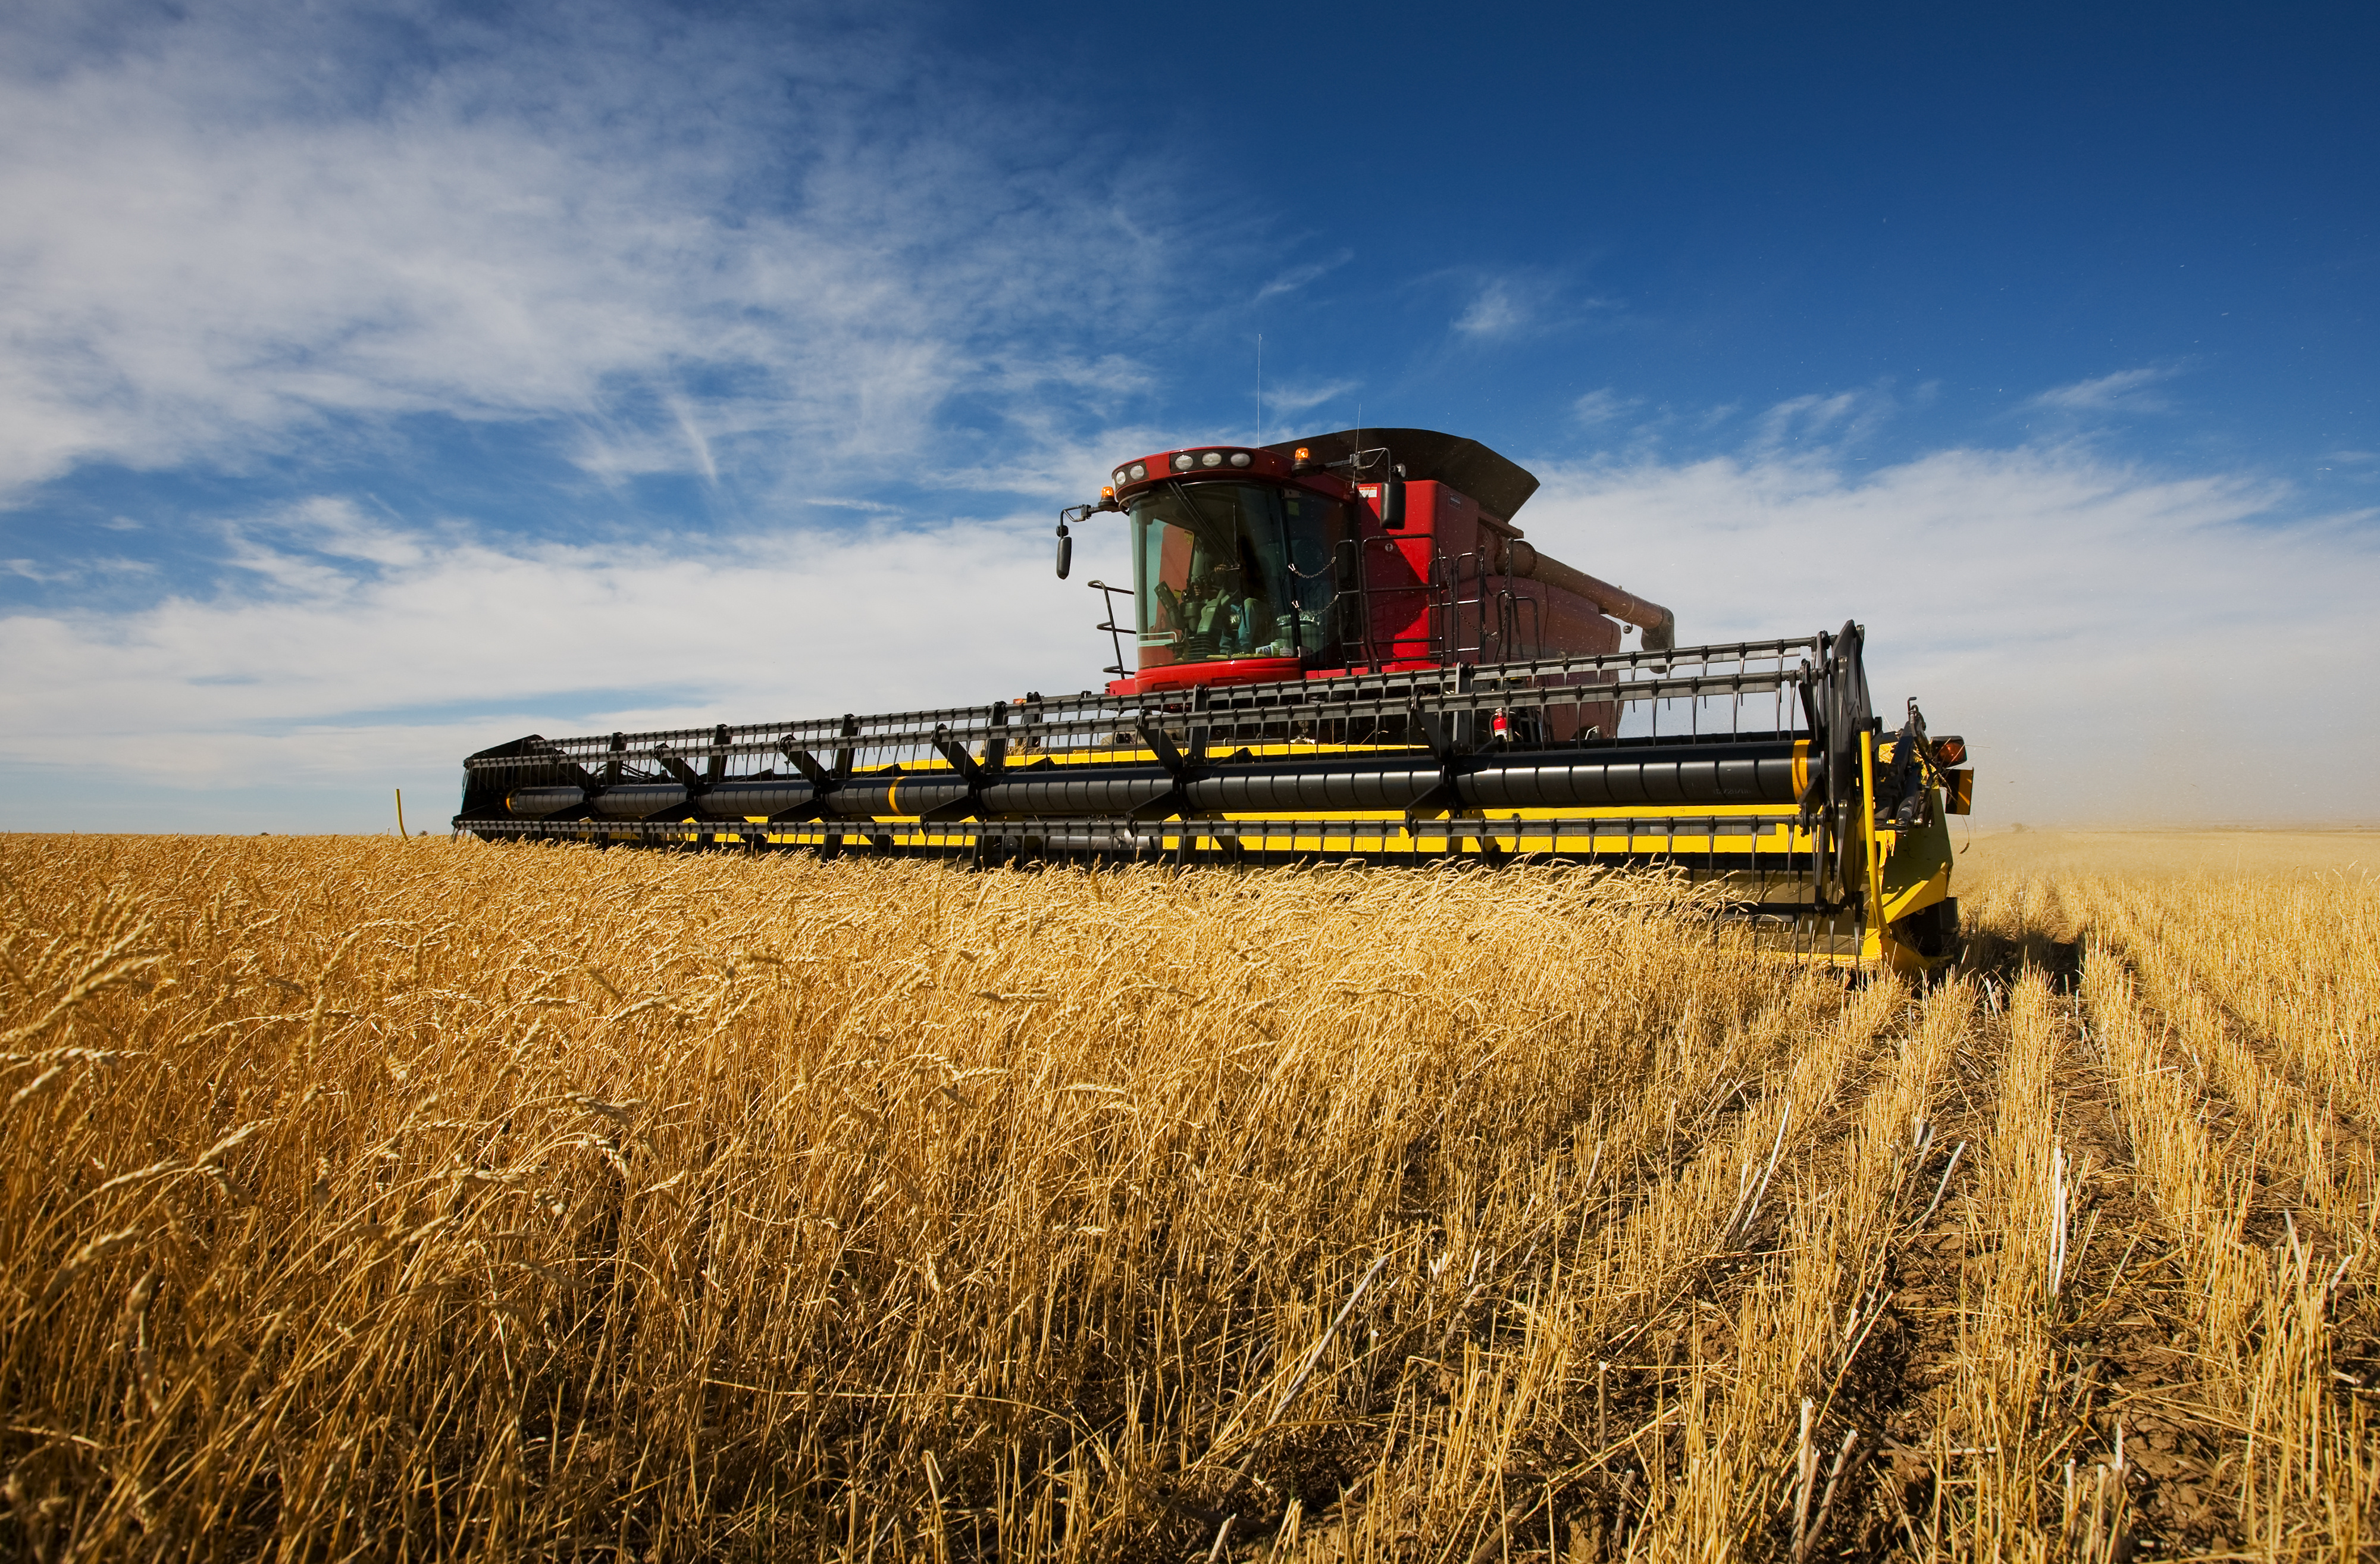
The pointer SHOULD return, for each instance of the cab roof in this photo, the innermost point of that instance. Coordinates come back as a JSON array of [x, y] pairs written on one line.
[[1500, 484]]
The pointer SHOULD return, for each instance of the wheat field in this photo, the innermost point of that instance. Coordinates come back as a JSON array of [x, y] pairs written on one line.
[[397, 1200]]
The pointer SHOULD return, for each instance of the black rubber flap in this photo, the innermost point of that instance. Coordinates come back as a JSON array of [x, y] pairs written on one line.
[[1501, 485]]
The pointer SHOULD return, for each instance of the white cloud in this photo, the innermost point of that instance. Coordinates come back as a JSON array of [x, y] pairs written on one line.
[[1295, 395], [697, 443], [2124, 391], [1297, 277], [336, 671], [1498, 308], [834, 502], [1603, 406], [240, 230], [1508, 304], [2119, 646], [230, 228], [1816, 421], [1811, 417]]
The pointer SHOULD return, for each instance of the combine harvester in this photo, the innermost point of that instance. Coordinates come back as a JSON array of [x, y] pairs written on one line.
[[1344, 649]]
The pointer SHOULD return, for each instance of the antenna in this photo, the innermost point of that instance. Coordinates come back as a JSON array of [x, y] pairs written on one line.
[[1259, 439]]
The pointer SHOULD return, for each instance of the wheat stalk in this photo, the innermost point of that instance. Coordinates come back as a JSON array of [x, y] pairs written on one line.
[[497, 1202]]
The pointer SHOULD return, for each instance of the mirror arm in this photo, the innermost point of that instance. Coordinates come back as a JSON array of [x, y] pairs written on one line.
[[1085, 512], [1079, 513]]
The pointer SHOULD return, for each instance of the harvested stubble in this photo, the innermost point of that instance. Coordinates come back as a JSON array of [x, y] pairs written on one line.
[[367, 1198]]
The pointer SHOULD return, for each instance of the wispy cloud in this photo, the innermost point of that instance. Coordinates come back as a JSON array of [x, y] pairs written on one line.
[[234, 227], [1604, 406], [1296, 278], [2124, 391], [1810, 416], [811, 271], [838, 502], [1827, 421], [697, 443], [1496, 308], [1296, 396], [1500, 306], [347, 656]]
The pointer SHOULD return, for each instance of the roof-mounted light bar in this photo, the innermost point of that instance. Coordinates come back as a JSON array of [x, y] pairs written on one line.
[[1195, 460]]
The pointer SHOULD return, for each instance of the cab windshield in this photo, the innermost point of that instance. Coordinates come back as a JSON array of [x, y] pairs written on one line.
[[1229, 569]]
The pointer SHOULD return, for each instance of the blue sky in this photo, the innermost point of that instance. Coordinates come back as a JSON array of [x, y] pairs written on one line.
[[385, 382]]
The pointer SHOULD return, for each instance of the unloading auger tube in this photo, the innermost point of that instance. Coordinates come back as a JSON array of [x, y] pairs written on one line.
[[1757, 765]]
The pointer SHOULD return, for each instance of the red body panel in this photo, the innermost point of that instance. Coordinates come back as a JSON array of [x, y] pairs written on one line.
[[1436, 590], [1187, 676]]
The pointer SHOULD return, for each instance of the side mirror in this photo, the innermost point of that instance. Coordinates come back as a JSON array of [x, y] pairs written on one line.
[[1392, 502], [1066, 552]]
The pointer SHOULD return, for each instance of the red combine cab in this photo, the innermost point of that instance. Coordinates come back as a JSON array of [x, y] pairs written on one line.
[[1376, 550]]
